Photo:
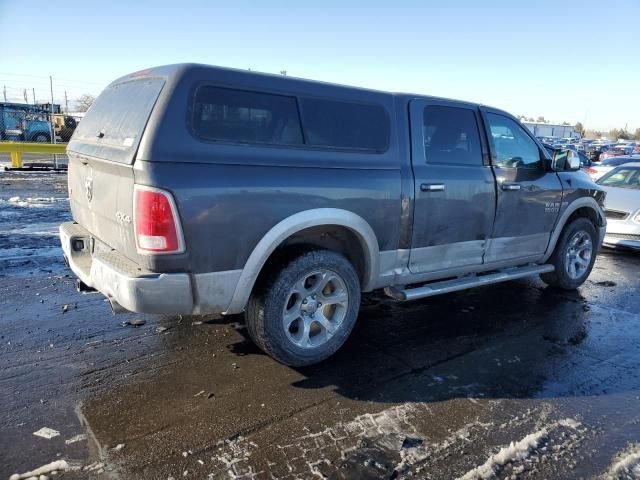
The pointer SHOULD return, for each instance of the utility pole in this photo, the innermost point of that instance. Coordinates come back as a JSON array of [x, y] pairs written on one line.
[[5, 93], [53, 130], [66, 103], [34, 95]]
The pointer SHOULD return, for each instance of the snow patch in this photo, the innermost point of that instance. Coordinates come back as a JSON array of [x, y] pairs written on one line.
[[627, 464], [233, 456], [46, 432], [519, 450], [33, 202], [569, 423], [515, 451], [58, 465], [77, 438]]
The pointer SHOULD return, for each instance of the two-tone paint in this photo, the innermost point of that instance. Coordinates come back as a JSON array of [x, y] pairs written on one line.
[[239, 203]]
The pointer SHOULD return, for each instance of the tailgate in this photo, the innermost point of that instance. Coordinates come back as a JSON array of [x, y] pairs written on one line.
[[101, 155], [101, 200]]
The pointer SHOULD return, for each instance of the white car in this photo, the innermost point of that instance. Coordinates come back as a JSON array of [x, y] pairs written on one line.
[[599, 169], [622, 206]]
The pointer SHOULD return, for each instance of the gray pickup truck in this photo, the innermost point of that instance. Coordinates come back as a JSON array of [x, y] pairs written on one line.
[[198, 189]]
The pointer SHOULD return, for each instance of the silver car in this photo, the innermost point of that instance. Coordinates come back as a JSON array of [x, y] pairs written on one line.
[[599, 169], [622, 206]]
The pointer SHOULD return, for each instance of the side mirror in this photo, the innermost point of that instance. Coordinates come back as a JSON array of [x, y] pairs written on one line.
[[573, 161], [564, 160]]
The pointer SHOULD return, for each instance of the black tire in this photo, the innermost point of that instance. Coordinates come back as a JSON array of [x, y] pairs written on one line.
[[265, 311], [41, 138], [560, 277]]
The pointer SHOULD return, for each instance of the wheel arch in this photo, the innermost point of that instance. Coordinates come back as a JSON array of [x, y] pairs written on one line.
[[582, 207], [308, 221]]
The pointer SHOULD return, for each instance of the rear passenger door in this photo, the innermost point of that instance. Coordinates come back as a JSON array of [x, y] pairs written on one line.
[[454, 188], [529, 195]]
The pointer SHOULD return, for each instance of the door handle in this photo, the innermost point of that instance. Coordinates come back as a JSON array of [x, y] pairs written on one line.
[[432, 187], [510, 186]]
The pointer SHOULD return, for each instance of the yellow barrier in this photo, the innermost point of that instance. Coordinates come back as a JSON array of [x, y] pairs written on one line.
[[16, 149]]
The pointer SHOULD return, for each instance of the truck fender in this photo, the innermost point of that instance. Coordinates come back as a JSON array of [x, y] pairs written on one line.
[[295, 223], [588, 202]]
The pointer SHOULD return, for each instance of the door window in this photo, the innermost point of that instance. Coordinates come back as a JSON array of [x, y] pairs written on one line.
[[512, 147], [451, 136]]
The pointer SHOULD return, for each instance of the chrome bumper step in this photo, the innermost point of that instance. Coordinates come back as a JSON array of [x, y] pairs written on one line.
[[468, 281]]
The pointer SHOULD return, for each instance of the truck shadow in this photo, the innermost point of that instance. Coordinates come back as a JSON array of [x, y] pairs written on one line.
[[513, 340], [205, 380]]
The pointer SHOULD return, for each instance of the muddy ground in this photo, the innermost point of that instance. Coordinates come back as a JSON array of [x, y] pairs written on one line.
[[509, 381]]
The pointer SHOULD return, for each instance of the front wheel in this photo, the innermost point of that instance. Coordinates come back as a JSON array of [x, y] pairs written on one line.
[[574, 255], [305, 313]]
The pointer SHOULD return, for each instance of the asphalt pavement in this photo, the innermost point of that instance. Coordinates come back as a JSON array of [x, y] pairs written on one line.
[[514, 380]]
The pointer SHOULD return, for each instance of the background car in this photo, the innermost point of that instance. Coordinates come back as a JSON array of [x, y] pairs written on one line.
[[617, 151], [596, 149], [622, 205], [597, 170], [585, 162]]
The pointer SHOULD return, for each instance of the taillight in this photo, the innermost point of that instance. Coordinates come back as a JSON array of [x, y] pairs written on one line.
[[592, 171], [156, 221]]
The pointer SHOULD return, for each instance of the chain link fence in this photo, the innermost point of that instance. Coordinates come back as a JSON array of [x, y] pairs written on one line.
[[41, 109], [38, 123]]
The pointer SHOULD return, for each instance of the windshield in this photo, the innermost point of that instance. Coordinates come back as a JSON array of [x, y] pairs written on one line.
[[113, 125], [624, 177]]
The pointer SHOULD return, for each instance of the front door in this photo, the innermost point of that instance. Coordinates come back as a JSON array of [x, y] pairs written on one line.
[[454, 188], [529, 195]]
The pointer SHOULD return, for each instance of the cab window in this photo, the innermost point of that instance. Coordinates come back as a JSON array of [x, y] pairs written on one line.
[[451, 136], [511, 146]]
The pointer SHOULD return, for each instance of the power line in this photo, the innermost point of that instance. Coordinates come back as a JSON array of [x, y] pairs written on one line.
[[56, 85], [46, 77]]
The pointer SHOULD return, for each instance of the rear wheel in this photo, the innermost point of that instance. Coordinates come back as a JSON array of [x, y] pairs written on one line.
[[574, 255], [307, 310], [41, 138]]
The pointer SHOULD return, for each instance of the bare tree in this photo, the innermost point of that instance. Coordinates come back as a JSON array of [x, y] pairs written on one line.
[[84, 102]]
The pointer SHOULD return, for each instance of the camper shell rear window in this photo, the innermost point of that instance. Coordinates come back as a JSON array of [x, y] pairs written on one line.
[[114, 124]]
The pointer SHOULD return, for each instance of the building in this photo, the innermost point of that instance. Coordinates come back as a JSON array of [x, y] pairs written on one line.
[[551, 130]]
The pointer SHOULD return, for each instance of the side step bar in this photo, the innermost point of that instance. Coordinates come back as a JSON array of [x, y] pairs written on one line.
[[462, 283]]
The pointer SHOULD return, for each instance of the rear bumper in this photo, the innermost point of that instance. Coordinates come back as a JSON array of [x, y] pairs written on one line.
[[121, 280]]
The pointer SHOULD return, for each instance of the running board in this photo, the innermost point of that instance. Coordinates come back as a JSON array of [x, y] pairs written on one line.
[[462, 283]]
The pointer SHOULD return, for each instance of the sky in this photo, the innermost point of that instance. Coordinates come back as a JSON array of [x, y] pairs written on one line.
[[563, 59]]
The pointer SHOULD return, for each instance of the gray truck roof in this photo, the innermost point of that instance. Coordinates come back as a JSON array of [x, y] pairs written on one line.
[[178, 71]]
